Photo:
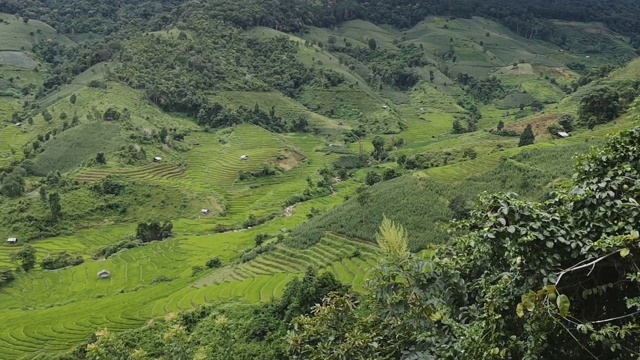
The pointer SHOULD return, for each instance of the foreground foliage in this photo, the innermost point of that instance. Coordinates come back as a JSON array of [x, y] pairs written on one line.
[[557, 279]]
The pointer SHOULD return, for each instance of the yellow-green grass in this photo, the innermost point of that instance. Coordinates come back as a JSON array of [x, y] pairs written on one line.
[[541, 89], [630, 72], [425, 96], [485, 162], [478, 54], [211, 166], [17, 35], [144, 116], [362, 31]]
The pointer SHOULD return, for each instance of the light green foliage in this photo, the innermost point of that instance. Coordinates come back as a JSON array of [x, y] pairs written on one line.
[[393, 240]]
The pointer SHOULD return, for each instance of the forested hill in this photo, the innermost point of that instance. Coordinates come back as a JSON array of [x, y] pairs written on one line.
[[527, 19]]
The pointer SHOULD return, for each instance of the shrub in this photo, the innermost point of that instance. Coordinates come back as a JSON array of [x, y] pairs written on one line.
[[109, 250], [196, 270], [6, 276], [214, 263], [61, 260]]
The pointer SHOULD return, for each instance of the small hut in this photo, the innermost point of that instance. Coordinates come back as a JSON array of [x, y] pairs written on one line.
[[104, 274], [157, 159], [204, 211], [244, 157], [562, 134], [12, 241]]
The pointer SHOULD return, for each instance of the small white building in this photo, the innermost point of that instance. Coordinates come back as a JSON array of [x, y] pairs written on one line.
[[563, 134], [385, 107], [204, 211], [157, 159], [12, 241], [104, 274], [18, 124], [244, 157]]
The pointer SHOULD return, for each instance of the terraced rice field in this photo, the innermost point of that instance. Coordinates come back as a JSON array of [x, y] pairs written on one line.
[[153, 171], [64, 306]]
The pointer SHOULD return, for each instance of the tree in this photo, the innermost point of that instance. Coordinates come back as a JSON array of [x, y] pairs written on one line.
[[566, 121], [601, 103], [73, 99], [527, 137], [25, 257], [47, 115], [373, 178], [459, 207], [389, 174], [163, 134], [457, 127], [43, 193], [214, 263], [500, 126], [111, 114], [154, 231], [378, 152], [54, 206], [470, 153], [373, 45], [13, 184], [100, 158], [401, 159], [362, 197], [260, 239]]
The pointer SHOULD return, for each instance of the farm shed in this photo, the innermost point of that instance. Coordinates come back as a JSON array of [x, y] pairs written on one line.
[[12, 240], [244, 157], [104, 274]]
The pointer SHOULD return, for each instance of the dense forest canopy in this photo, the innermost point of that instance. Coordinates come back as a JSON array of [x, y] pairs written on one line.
[[293, 15]]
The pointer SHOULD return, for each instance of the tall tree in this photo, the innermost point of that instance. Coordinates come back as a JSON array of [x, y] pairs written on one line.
[[373, 45], [527, 137], [54, 206]]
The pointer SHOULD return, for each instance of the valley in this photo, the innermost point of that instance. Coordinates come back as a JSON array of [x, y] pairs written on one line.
[[271, 146]]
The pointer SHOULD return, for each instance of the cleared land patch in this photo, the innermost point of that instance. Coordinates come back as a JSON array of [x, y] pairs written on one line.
[[17, 59], [82, 143]]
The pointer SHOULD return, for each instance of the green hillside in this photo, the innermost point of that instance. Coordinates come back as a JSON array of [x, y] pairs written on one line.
[[275, 137]]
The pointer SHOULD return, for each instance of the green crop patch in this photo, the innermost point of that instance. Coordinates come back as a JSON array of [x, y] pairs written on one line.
[[77, 145]]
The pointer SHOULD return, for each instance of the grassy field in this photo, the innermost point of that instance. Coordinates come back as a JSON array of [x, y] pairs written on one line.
[[20, 36], [77, 145]]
